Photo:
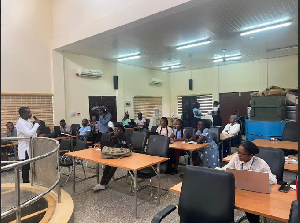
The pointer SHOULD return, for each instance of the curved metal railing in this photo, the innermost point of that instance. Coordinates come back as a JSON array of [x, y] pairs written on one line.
[[16, 165]]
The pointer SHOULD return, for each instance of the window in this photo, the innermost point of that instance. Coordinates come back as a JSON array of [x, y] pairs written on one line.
[[147, 106], [205, 101], [40, 105]]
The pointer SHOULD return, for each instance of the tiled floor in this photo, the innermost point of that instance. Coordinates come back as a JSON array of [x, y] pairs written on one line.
[[116, 203]]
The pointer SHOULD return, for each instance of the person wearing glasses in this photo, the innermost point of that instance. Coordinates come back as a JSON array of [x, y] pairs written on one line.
[[246, 160]]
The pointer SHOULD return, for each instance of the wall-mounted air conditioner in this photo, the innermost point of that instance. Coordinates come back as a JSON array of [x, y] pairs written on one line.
[[89, 73], [156, 81]]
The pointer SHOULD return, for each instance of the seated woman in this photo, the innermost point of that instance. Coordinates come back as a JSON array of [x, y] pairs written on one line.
[[126, 120], [246, 160], [121, 141], [141, 121], [203, 135], [179, 134], [164, 129], [232, 128]]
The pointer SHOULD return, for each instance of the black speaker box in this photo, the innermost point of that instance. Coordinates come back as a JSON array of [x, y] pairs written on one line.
[[115, 82], [190, 84]]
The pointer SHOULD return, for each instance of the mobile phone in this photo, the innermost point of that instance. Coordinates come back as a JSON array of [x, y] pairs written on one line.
[[284, 188]]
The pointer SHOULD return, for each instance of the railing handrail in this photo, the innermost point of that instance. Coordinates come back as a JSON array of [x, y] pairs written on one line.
[[21, 163], [17, 165]]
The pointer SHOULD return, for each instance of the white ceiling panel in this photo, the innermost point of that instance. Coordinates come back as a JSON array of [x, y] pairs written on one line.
[[221, 21]]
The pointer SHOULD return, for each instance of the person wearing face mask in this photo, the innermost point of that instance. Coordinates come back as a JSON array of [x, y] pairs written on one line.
[[246, 160], [121, 140]]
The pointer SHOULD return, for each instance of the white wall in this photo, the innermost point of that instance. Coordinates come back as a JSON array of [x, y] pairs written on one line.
[[133, 81], [239, 77], [26, 36], [76, 19]]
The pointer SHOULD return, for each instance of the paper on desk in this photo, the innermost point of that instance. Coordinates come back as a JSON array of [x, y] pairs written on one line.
[[293, 186], [98, 149]]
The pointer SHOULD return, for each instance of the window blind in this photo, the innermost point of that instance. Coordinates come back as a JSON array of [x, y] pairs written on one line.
[[146, 105], [40, 105], [205, 101]]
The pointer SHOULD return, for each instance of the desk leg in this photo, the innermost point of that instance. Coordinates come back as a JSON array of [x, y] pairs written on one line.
[[97, 172], [158, 188], [229, 149], [135, 193], [15, 152], [74, 174]]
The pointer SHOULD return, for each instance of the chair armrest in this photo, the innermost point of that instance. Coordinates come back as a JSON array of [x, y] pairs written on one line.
[[163, 213], [64, 151]]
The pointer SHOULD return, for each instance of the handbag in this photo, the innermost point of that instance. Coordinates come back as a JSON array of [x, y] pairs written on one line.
[[115, 153]]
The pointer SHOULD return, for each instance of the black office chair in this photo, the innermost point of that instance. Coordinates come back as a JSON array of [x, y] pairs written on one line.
[[293, 218], [105, 137], [75, 128], [215, 132], [64, 146], [157, 146], [138, 141], [129, 132], [147, 123], [275, 159], [207, 195], [290, 132], [153, 128], [67, 161], [190, 131]]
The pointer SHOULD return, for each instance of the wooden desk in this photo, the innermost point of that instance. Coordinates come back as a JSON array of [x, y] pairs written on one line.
[[14, 145], [276, 144], [292, 167], [65, 137], [133, 163], [275, 205], [9, 145], [226, 136], [186, 146]]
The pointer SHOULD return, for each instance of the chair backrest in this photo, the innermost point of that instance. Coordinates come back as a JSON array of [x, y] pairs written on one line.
[[80, 145], [275, 159], [74, 128], [129, 132], [159, 146], [207, 194], [147, 123], [153, 128], [138, 141], [215, 132], [105, 137], [190, 131], [65, 144], [293, 218], [290, 132]]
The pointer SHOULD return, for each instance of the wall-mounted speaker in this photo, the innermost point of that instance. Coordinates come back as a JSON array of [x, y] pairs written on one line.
[[115, 82], [190, 84]]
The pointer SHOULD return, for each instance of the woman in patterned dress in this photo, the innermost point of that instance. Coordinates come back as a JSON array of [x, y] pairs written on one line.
[[209, 153]]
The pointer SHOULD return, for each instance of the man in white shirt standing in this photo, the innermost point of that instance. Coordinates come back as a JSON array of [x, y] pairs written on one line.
[[25, 129]]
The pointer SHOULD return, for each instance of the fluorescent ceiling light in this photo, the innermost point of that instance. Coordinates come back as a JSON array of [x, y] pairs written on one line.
[[193, 45], [232, 55], [129, 58], [284, 48], [165, 68], [177, 66], [265, 24], [227, 58], [171, 67], [266, 28], [129, 55]]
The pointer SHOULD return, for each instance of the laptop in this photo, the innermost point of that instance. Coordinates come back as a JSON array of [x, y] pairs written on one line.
[[57, 131], [252, 181], [107, 143]]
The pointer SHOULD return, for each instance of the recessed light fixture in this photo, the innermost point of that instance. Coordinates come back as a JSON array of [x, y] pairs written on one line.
[[266, 28], [227, 58], [170, 67], [129, 56], [193, 44]]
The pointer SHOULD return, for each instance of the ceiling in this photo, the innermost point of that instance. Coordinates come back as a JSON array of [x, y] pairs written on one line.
[[221, 21]]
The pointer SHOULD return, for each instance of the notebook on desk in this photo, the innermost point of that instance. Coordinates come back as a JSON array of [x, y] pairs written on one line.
[[252, 181]]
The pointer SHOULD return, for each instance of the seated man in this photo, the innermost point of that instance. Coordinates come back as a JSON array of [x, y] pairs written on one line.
[[84, 131], [64, 128], [121, 140], [232, 128], [10, 130]]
